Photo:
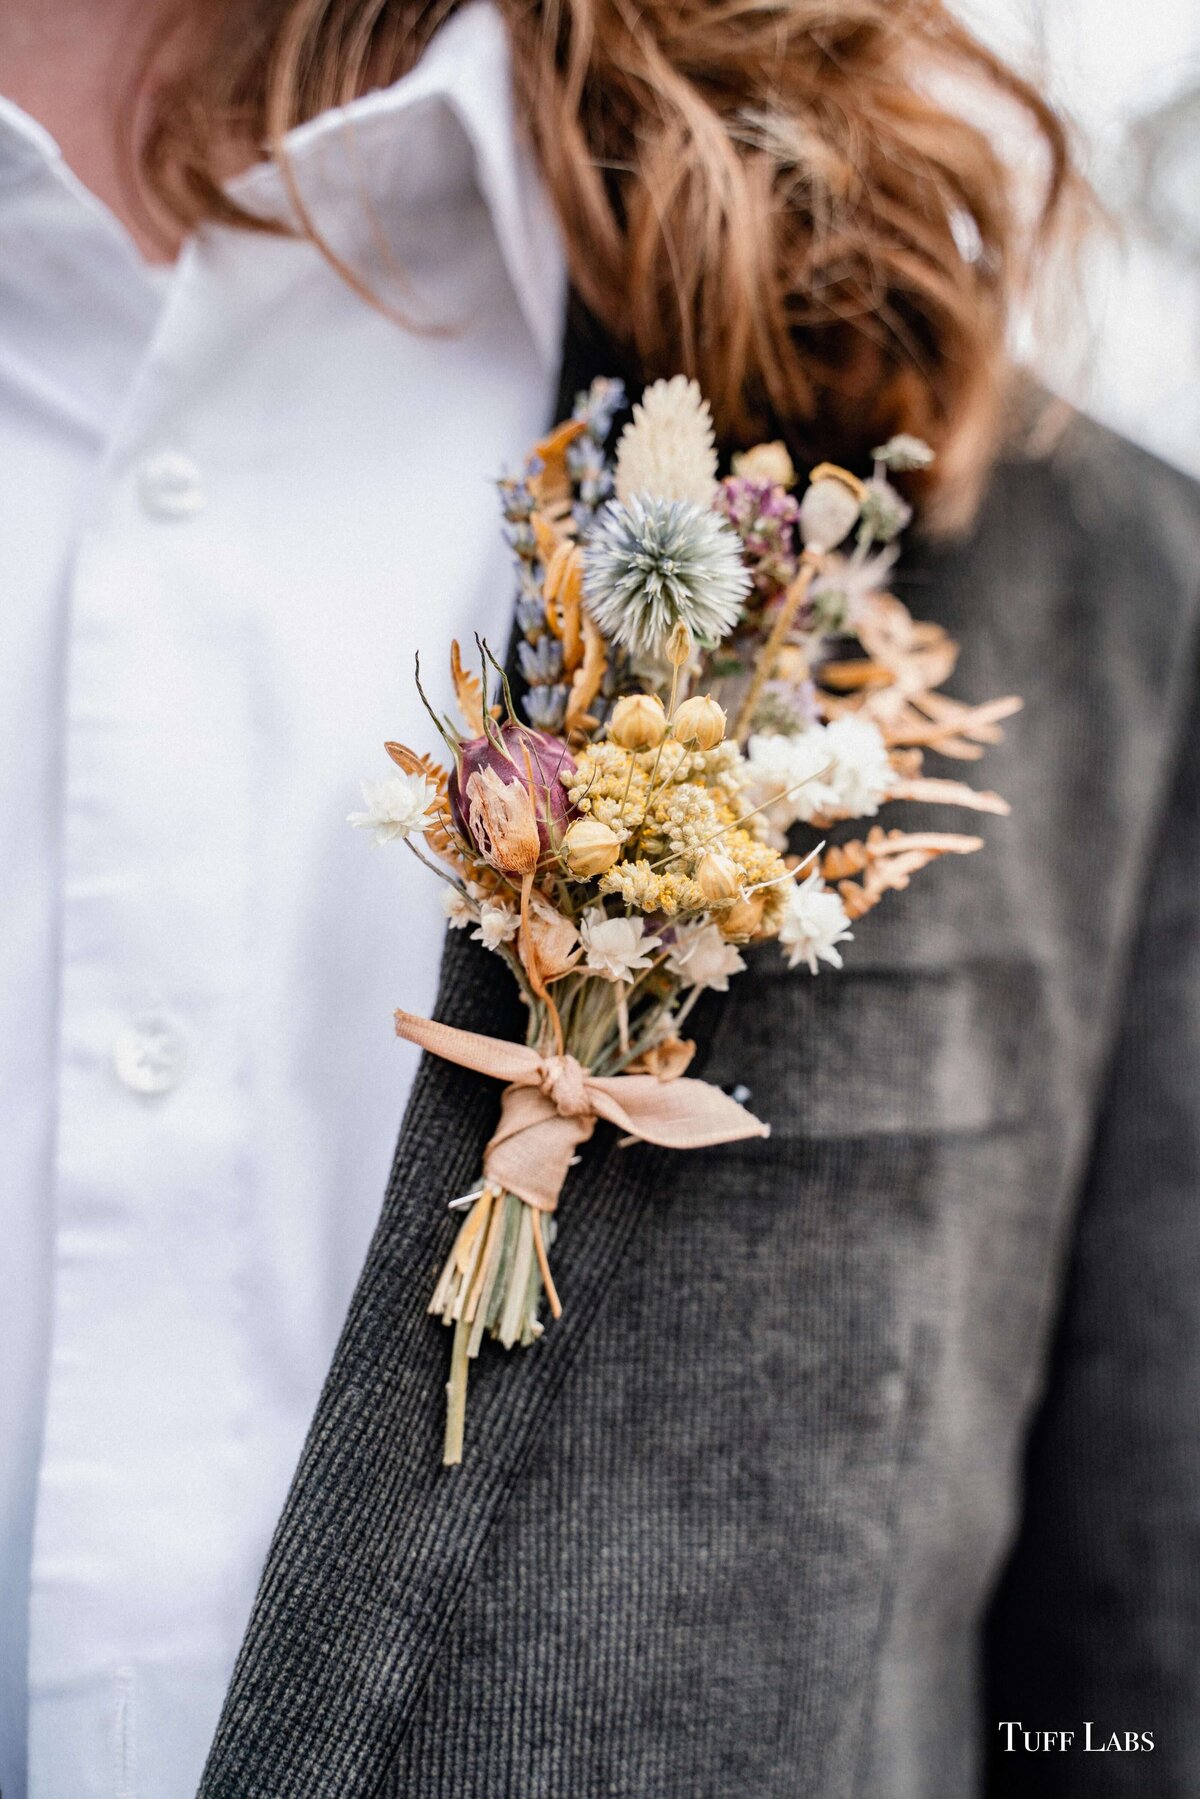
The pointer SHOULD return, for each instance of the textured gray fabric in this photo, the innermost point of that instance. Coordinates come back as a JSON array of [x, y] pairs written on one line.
[[734, 1528]]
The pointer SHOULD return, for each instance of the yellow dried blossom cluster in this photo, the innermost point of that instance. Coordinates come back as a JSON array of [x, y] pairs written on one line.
[[671, 806], [646, 889], [610, 785]]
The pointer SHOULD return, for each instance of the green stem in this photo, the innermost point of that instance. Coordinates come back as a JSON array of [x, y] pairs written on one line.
[[456, 1396]]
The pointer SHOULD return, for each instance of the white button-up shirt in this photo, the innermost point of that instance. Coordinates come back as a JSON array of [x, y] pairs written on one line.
[[234, 499]]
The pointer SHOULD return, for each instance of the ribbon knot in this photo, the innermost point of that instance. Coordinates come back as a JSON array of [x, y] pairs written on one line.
[[551, 1104], [564, 1083]]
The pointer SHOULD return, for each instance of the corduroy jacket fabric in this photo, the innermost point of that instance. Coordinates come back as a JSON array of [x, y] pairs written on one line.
[[855, 1443]]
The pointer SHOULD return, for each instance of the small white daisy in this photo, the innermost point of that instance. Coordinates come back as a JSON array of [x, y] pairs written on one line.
[[498, 923], [616, 948], [397, 807], [788, 777], [701, 957], [458, 909], [862, 774], [814, 924]]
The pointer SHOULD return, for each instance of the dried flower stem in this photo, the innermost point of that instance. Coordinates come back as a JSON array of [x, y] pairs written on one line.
[[539, 1245], [533, 967], [767, 657], [456, 1398], [650, 787]]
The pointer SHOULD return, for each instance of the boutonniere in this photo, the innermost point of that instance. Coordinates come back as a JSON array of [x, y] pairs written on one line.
[[704, 665]]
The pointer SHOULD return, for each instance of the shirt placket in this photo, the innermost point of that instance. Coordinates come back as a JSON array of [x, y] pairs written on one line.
[[143, 1463]]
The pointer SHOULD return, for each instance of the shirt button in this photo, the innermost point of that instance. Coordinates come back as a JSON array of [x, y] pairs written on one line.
[[150, 1054], [170, 485]]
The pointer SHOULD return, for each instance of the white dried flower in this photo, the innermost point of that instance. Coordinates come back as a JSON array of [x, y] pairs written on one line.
[[788, 779], [652, 565], [862, 774], [458, 909], [667, 452], [397, 807], [498, 923], [553, 939], [904, 452], [701, 957], [845, 583], [617, 948], [885, 513], [814, 924]]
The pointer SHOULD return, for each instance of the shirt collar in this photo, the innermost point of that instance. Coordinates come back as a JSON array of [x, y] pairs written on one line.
[[24, 144], [467, 68]]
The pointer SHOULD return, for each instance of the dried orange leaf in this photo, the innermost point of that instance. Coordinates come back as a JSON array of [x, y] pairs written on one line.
[[545, 536], [551, 485], [666, 1060], [563, 591], [588, 676]]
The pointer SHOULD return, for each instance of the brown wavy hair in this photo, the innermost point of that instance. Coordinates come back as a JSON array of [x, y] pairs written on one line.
[[776, 196]]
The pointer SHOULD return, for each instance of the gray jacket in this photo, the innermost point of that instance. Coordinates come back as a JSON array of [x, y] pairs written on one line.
[[854, 1444]]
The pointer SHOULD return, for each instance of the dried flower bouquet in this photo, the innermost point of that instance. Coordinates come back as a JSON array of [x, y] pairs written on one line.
[[703, 665]]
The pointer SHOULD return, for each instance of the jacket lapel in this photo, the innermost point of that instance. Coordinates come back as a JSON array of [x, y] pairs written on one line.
[[377, 1541]]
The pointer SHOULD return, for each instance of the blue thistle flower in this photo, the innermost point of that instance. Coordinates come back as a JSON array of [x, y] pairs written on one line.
[[651, 564]]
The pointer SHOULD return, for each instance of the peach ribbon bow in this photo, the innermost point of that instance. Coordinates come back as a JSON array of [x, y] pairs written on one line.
[[551, 1104]]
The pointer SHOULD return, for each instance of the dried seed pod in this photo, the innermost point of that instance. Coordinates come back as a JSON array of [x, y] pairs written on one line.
[[639, 722], [679, 645], [766, 462], [495, 822], [744, 918], [718, 878], [699, 722], [590, 848], [502, 822], [828, 512]]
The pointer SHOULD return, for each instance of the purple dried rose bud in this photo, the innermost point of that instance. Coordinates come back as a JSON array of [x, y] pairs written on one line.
[[509, 798]]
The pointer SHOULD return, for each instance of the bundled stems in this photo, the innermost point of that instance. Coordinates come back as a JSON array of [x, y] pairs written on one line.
[[498, 1268], [492, 1284]]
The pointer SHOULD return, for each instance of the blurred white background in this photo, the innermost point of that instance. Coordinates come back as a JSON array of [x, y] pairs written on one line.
[[1128, 73]]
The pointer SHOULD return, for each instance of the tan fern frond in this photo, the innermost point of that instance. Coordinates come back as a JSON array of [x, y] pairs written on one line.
[[919, 655], [886, 862], [417, 764], [468, 692], [949, 793]]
